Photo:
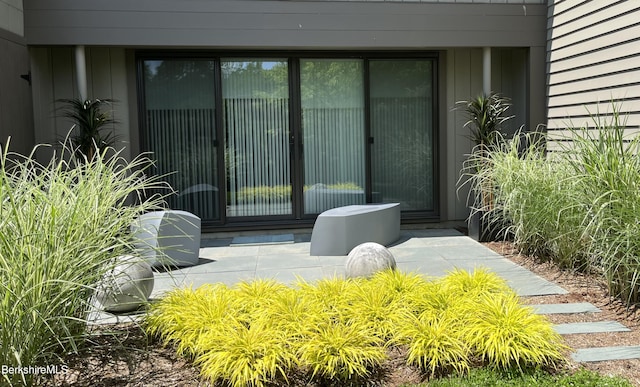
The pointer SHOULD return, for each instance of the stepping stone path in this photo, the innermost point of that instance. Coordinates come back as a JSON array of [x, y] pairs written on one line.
[[589, 354]]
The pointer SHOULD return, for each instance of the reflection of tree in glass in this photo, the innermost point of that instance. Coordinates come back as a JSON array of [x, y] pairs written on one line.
[[332, 83], [174, 84]]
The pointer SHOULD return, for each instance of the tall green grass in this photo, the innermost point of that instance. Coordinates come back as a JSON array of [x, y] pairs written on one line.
[[61, 226], [579, 207]]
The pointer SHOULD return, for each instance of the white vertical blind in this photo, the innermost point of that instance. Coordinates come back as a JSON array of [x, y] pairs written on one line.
[[332, 93], [402, 127], [256, 121], [180, 132]]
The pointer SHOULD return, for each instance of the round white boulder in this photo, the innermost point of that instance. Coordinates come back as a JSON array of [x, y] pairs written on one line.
[[127, 286], [368, 258]]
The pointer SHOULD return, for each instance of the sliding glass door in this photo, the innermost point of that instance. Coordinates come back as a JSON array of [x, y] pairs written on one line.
[[255, 96], [180, 131], [402, 152], [252, 138], [333, 123]]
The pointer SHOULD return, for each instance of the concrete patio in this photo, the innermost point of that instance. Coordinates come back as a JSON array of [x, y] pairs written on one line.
[[285, 257]]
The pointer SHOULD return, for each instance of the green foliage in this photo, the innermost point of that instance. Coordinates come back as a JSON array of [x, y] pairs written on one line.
[[278, 192], [62, 226], [486, 377], [341, 350], [89, 134], [486, 114], [498, 321], [338, 330], [578, 206], [252, 355]]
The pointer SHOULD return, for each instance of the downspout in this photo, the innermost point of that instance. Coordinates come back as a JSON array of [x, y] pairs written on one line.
[[486, 70], [81, 72]]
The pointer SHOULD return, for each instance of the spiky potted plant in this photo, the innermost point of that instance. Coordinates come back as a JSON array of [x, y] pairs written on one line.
[[91, 133], [485, 116]]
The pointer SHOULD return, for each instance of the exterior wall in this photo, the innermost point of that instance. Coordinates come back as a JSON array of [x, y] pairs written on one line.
[[54, 78], [113, 33], [593, 60], [16, 119], [265, 24], [464, 80], [12, 16]]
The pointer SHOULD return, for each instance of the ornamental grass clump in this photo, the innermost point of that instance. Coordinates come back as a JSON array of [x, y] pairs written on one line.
[[62, 225], [577, 206], [605, 160], [338, 331]]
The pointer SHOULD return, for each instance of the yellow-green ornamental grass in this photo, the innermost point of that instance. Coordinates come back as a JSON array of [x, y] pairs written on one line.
[[339, 330]]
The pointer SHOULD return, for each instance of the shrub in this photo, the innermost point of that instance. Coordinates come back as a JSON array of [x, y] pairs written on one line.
[[341, 350], [244, 355], [507, 334], [577, 206], [61, 227], [338, 330], [606, 165], [435, 341]]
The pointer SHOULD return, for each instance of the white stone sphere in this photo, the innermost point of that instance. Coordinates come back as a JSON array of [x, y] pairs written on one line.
[[127, 286], [368, 258]]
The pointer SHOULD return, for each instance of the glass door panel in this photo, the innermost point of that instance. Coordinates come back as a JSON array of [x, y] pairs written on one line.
[[180, 131], [255, 98], [332, 98], [402, 157]]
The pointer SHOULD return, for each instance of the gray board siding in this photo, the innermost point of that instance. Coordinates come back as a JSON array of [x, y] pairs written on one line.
[[593, 58], [283, 24]]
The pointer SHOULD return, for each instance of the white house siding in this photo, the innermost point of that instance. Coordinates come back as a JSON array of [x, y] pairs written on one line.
[[593, 61]]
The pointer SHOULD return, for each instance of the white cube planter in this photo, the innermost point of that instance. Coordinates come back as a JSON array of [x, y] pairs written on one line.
[[167, 238]]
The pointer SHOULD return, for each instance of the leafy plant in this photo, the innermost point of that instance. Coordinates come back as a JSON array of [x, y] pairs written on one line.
[[341, 350], [61, 227], [242, 355], [435, 341], [507, 334], [577, 206], [336, 331], [485, 114], [90, 134], [468, 285]]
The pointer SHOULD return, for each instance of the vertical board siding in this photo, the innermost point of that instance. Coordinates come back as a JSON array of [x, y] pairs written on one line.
[[593, 61]]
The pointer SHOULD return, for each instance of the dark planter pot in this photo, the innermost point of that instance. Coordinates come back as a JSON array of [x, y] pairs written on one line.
[[481, 229], [484, 226]]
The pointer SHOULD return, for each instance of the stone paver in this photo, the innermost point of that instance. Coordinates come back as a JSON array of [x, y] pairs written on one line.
[[590, 327], [606, 353], [570, 308], [285, 257]]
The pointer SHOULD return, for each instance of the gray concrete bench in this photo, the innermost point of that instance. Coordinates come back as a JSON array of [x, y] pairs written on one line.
[[339, 230]]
